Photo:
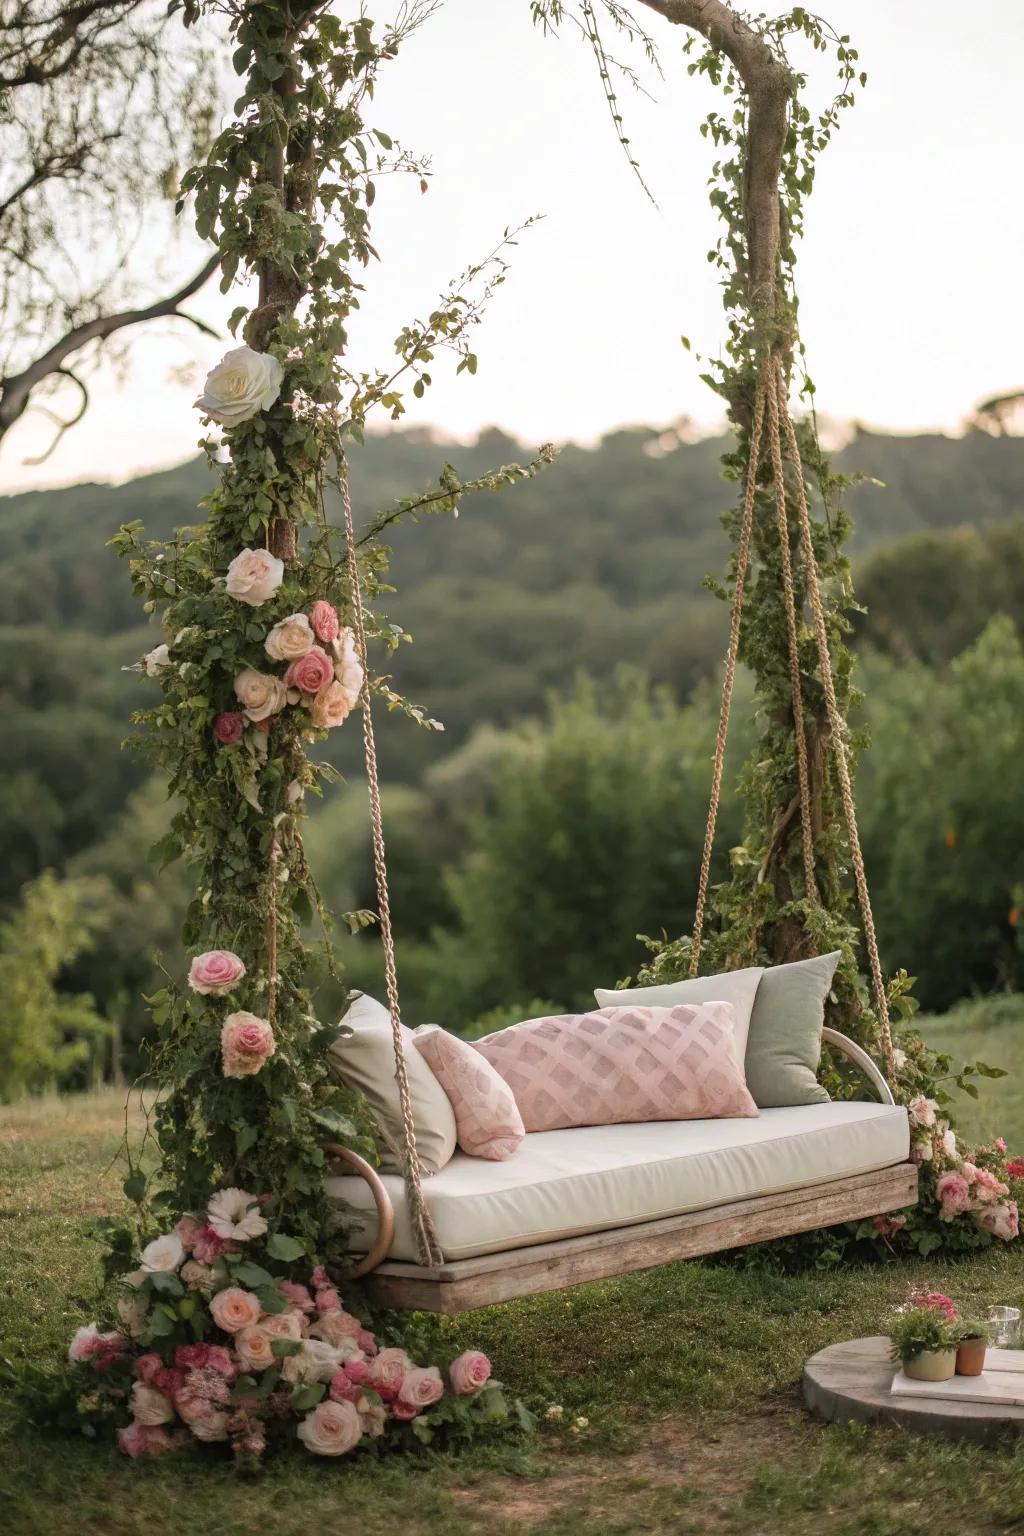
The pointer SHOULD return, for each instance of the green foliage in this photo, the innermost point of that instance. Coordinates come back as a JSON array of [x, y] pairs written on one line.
[[49, 1038], [920, 1330]]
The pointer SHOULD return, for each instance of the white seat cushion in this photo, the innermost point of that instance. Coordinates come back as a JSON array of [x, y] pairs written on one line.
[[563, 1183]]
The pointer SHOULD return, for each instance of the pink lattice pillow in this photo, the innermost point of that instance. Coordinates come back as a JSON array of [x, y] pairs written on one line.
[[631, 1063], [487, 1121]]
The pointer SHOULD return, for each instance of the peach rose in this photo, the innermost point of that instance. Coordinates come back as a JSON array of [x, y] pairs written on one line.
[[234, 1309], [252, 1345], [337, 1327], [469, 1372], [289, 639], [310, 672], [331, 707], [332, 1429], [260, 694], [215, 972], [246, 1042], [421, 1386], [253, 577]]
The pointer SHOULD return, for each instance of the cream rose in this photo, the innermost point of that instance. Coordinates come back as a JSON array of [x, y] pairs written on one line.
[[421, 1386], [315, 1361], [209, 1426], [150, 1406], [332, 1429], [260, 694], [234, 1309], [253, 577], [133, 1310], [290, 639], [243, 383], [198, 1277], [162, 1254], [246, 1042]]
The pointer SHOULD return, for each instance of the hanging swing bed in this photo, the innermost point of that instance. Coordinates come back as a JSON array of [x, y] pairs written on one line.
[[593, 1201]]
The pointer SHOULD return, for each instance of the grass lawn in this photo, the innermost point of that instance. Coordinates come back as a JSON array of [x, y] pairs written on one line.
[[689, 1376]]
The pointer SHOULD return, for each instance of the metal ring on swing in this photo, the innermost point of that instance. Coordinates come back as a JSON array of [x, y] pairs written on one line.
[[381, 1199]]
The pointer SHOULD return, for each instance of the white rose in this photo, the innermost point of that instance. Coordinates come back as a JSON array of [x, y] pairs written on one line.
[[260, 694], [155, 659], [290, 639], [133, 1310], [347, 668], [294, 792], [332, 1429], [254, 575], [243, 383], [949, 1142], [150, 1406], [162, 1254], [210, 1426], [315, 1361]]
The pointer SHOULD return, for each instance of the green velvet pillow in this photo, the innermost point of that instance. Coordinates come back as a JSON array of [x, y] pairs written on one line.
[[784, 1043]]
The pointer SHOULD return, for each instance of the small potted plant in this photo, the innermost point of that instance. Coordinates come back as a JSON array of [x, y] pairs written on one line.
[[925, 1342], [970, 1351]]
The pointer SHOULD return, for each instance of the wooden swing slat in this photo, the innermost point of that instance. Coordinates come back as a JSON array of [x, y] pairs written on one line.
[[465, 1284]]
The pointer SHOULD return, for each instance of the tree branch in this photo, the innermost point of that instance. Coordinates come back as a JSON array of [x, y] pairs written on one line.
[[770, 87], [16, 390]]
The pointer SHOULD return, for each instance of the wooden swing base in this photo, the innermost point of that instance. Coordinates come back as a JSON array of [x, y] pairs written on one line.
[[464, 1284]]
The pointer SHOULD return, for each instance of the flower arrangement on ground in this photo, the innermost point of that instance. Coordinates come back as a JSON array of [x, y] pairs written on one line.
[[215, 1345]]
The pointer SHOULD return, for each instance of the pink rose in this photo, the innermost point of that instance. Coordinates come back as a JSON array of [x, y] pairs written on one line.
[[246, 1042], [337, 1327], [328, 1300], [343, 1389], [146, 1367], [324, 619], [284, 1325], [100, 1350], [310, 672], [1015, 1167], [421, 1386], [403, 1411], [1000, 1144], [185, 1230], [357, 1371], [298, 1295], [954, 1195], [215, 972], [366, 1341], [987, 1187], [332, 1429], [470, 1372], [234, 1309], [139, 1440], [208, 1245], [228, 728], [386, 1371], [319, 1278], [168, 1380]]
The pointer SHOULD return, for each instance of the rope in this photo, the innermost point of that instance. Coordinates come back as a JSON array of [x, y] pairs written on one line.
[[272, 883], [836, 724], [796, 690], [742, 562], [423, 1228]]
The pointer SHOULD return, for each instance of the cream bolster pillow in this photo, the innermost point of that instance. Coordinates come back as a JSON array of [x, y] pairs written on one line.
[[487, 1121], [736, 987], [623, 1064], [365, 1061]]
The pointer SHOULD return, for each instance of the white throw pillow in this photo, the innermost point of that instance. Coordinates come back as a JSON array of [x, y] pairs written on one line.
[[365, 1060], [736, 987]]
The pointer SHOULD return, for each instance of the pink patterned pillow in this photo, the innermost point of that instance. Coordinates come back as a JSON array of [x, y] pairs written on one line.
[[487, 1121], [632, 1063]]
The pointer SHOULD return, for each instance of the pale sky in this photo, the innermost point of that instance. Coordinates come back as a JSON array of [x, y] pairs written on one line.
[[909, 275]]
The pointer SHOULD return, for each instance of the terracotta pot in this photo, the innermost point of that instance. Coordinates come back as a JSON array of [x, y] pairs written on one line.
[[931, 1365], [970, 1357]]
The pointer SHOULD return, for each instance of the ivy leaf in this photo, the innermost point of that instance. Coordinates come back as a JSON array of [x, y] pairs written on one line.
[[280, 1246]]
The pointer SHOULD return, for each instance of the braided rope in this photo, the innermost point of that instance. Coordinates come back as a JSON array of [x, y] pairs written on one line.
[[836, 725], [796, 690], [742, 562], [423, 1228]]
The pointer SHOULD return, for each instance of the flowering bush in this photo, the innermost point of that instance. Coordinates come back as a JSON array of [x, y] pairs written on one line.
[[216, 1343]]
